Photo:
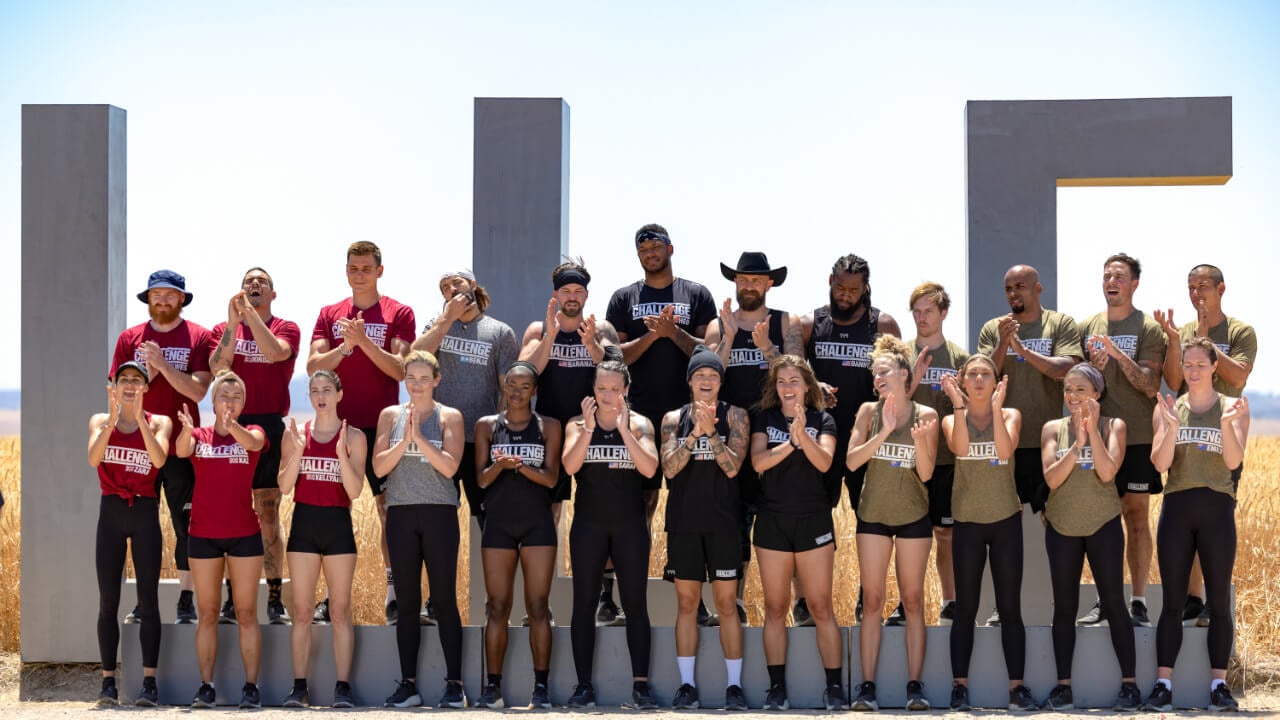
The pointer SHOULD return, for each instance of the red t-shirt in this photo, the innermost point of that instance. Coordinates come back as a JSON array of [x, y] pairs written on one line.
[[366, 390], [320, 474], [126, 468], [186, 347], [222, 503], [266, 383]]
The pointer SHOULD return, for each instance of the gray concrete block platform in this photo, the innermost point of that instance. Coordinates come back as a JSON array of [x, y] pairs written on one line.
[[168, 595]]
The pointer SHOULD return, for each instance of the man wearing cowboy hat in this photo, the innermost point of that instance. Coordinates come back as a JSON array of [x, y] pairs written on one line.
[[176, 354], [747, 340]]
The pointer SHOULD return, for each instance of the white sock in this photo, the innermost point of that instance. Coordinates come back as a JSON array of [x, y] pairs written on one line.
[[1139, 598], [1166, 682], [733, 668], [1213, 685], [391, 588], [686, 670]]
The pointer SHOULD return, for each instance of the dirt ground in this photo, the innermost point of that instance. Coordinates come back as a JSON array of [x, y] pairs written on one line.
[[40, 692]]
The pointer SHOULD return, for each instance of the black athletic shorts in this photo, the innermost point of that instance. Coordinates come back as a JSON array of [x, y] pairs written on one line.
[[264, 476], [321, 530], [537, 529], [214, 548], [1137, 474], [703, 556], [794, 533], [921, 528], [563, 490], [377, 484], [1028, 476], [940, 487]]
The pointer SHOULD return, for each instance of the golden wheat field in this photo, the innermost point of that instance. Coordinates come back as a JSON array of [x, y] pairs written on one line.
[[1257, 571]]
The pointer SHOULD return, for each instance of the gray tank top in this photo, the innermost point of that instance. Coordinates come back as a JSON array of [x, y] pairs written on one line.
[[414, 480]]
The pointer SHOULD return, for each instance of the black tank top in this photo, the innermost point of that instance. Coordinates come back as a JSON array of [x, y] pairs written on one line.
[[841, 356], [701, 498], [513, 496], [745, 372], [566, 378], [610, 489]]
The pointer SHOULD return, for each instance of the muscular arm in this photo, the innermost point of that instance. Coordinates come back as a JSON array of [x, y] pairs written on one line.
[[1054, 367], [1143, 376], [323, 356], [273, 348], [862, 444], [638, 437], [535, 348], [1232, 371], [430, 339], [99, 435], [155, 436], [1056, 469], [576, 441], [719, 344], [1108, 454], [675, 454], [730, 456], [251, 440], [222, 355], [389, 362], [792, 335], [1006, 432]]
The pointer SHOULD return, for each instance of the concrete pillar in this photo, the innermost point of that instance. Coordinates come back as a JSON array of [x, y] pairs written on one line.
[[73, 307], [520, 202]]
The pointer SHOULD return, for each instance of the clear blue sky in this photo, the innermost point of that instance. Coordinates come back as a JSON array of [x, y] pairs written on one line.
[[275, 134]]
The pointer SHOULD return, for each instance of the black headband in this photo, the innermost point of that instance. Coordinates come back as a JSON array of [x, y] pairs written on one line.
[[526, 365], [569, 277]]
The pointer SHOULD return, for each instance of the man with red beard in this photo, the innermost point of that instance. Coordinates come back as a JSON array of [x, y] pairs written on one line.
[[262, 349], [176, 353], [838, 339]]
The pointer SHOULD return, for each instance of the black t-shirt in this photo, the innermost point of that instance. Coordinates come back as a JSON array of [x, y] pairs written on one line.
[[793, 486], [745, 373], [701, 498], [840, 356], [512, 496], [657, 376], [566, 379], [610, 489]]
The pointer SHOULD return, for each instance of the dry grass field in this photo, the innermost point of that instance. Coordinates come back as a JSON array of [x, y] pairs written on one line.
[[1257, 573]]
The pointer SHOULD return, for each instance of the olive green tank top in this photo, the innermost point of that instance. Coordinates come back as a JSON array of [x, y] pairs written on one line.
[[1197, 456], [984, 490], [892, 493], [1083, 503]]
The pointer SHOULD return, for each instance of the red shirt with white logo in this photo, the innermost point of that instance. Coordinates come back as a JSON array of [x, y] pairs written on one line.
[[186, 348], [266, 383], [366, 390], [222, 503], [320, 474], [126, 468]]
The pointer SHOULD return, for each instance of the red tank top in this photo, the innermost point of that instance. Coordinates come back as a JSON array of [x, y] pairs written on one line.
[[126, 468], [320, 474], [222, 503]]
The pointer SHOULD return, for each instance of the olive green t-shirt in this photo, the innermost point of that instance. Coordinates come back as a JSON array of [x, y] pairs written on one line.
[[984, 491], [943, 361], [1037, 396], [892, 493], [1197, 456], [1141, 339], [1234, 339], [1083, 503]]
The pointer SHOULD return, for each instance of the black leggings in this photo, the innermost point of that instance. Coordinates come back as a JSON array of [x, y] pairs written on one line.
[[418, 534], [590, 546], [1105, 549], [970, 543], [1204, 521], [119, 522]]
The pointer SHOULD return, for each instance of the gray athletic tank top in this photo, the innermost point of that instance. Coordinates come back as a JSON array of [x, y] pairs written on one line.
[[414, 481]]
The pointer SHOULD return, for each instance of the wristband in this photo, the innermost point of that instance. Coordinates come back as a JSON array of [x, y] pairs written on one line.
[[343, 352]]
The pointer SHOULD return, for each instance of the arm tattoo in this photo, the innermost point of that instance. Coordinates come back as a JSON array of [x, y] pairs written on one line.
[[674, 453], [724, 457], [793, 338], [223, 344], [739, 437], [1141, 378]]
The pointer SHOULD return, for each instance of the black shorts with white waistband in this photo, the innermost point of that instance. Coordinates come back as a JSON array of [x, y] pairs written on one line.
[[793, 533], [703, 556]]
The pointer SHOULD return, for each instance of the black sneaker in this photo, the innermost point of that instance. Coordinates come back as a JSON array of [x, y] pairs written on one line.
[[800, 616], [1020, 699], [915, 696], [490, 697], [1059, 699], [642, 697], [250, 698], [406, 695], [1138, 611], [1220, 700], [1129, 699], [109, 695], [776, 698], [1191, 610], [297, 699], [321, 615], [228, 614], [686, 698], [608, 614], [186, 612], [734, 698], [392, 612], [133, 616], [205, 697], [897, 618], [454, 696], [866, 697], [833, 698], [149, 696], [947, 614], [342, 697], [276, 614], [1160, 699], [427, 615], [584, 696], [960, 697], [994, 620], [541, 698], [1203, 619], [1092, 617]]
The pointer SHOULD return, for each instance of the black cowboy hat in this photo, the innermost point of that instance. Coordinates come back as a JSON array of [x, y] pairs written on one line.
[[754, 263]]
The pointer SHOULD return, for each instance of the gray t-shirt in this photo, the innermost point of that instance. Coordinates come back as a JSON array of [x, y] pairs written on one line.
[[472, 357], [414, 480]]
